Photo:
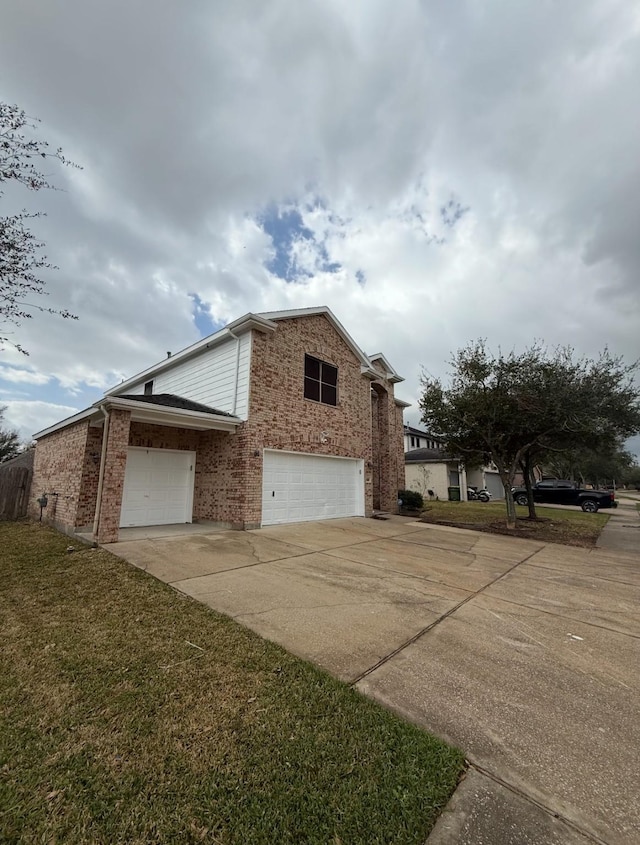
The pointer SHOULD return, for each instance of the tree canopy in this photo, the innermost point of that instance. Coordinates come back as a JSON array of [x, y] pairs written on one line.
[[21, 256], [518, 409], [9, 441]]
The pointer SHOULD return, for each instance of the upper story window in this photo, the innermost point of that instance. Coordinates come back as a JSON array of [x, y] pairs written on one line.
[[320, 381], [148, 388]]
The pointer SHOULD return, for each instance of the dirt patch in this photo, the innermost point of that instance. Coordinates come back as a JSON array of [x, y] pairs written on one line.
[[543, 530]]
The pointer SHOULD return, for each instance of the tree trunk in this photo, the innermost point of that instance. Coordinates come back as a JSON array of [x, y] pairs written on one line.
[[525, 466], [508, 495]]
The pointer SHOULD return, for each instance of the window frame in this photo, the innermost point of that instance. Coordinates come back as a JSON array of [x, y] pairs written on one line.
[[148, 388], [320, 382]]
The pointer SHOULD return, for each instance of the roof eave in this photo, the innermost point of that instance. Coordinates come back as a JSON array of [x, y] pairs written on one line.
[[67, 421], [174, 417]]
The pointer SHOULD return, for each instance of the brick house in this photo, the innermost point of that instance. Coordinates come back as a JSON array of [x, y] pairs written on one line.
[[278, 417]]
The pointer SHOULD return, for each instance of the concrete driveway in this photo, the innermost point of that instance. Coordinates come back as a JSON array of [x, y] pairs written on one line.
[[524, 655]]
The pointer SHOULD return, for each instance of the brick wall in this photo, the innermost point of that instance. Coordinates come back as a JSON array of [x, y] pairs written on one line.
[[113, 480], [58, 468], [388, 442], [163, 437], [219, 472], [281, 418], [89, 481]]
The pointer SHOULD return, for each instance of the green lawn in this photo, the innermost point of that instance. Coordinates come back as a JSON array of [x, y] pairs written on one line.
[[555, 525], [131, 714]]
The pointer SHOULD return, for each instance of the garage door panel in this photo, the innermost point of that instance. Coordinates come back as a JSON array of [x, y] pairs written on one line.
[[158, 487], [299, 487]]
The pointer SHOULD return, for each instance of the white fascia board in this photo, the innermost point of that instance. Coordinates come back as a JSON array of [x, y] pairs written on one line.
[[240, 326], [176, 417], [323, 309], [67, 421], [402, 404]]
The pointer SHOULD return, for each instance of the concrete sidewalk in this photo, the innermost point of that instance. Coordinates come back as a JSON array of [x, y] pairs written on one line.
[[524, 655], [622, 531]]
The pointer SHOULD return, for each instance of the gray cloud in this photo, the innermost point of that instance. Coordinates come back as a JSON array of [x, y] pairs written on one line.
[[190, 120]]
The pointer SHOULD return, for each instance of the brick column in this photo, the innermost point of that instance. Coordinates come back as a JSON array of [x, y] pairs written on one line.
[[113, 480]]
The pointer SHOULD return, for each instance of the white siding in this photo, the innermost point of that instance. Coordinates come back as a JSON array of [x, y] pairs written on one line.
[[209, 378]]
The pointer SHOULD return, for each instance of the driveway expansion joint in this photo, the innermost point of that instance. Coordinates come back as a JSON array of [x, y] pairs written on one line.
[[440, 619], [592, 837]]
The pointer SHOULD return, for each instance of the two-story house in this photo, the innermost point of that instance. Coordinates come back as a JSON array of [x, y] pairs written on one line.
[[414, 438], [278, 417]]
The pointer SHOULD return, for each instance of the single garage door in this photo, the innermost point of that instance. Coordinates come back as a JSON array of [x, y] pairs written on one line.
[[494, 484], [158, 487], [298, 487]]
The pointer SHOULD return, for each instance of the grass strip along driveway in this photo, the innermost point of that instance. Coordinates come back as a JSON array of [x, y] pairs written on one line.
[[131, 714], [554, 525]]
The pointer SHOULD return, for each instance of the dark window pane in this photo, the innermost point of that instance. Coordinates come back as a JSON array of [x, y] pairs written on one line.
[[330, 374], [312, 367], [312, 389], [329, 394]]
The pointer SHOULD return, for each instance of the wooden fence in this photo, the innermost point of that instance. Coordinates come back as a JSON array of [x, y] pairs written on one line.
[[14, 491]]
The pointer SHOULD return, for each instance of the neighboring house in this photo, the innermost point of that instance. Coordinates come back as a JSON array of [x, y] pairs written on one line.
[[434, 470], [278, 417], [416, 439]]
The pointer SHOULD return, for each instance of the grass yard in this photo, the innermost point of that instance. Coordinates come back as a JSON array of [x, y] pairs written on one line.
[[555, 525], [131, 714]]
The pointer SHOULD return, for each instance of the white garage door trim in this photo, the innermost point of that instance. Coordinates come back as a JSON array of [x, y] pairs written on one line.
[[302, 486], [158, 487]]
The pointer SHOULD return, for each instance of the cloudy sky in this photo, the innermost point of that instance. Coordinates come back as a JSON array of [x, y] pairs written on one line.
[[433, 172]]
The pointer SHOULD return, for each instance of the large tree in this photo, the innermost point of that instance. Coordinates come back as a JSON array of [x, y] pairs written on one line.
[[9, 441], [598, 467], [21, 256], [517, 409]]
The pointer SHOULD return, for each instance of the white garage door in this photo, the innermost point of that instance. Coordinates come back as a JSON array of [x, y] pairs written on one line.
[[158, 487], [297, 488]]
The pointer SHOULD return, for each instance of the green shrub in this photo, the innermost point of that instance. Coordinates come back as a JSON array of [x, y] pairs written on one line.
[[411, 499]]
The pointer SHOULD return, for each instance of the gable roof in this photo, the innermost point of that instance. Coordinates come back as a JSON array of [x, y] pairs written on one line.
[[293, 313], [266, 321], [392, 375]]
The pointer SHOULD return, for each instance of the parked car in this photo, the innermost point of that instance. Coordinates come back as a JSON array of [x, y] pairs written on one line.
[[556, 491]]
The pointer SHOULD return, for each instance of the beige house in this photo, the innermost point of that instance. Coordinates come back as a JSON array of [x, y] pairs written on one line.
[[278, 417], [431, 472]]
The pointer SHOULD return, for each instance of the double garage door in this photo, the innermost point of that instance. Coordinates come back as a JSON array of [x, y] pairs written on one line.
[[158, 487], [297, 487]]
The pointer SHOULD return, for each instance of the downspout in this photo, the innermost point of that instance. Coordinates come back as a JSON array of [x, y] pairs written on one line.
[[235, 388], [103, 456]]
